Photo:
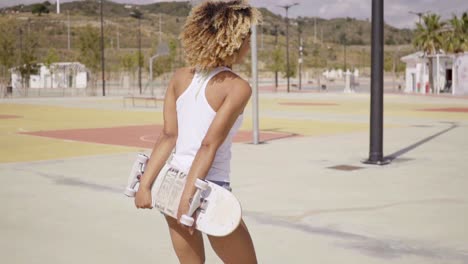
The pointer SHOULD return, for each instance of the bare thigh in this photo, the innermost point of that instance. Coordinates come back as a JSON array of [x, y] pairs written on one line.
[[236, 247], [188, 248]]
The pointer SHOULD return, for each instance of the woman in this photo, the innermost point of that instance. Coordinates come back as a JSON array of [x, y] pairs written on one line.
[[202, 112]]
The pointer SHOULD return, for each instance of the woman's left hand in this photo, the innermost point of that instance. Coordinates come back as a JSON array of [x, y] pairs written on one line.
[[143, 198], [184, 207]]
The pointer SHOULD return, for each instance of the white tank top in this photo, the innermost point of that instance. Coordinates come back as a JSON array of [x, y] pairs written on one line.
[[194, 117]]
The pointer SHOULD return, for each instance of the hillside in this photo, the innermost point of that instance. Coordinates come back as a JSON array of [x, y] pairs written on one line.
[[326, 49], [357, 31]]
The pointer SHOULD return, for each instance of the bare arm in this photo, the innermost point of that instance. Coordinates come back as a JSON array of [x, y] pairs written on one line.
[[161, 150], [233, 105]]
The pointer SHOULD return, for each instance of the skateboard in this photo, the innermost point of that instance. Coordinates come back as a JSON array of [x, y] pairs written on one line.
[[214, 210], [137, 171]]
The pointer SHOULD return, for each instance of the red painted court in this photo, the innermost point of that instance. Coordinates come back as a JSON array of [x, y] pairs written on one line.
[[9, 116], [306, 104], [448, 109], [137, 136]]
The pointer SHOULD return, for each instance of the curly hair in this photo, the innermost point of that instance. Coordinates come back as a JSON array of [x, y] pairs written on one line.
[[215, 30]]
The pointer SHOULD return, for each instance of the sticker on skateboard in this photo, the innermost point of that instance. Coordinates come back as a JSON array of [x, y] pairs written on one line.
[[214, 210]]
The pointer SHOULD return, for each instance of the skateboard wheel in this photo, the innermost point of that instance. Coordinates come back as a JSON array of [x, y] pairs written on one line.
[[187, 220], [130, 192], [201, 184], [142, 158]]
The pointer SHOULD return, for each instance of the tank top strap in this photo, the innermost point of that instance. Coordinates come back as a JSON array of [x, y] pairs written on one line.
[[208, 76]]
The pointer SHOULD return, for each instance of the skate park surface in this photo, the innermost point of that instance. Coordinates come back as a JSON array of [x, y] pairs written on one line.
[[306, 195]]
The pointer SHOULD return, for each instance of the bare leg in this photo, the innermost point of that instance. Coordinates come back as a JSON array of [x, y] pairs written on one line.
[[188, 248], [236, 247]]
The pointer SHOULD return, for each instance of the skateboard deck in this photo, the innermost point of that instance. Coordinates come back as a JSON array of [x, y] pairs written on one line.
[[214, 210]]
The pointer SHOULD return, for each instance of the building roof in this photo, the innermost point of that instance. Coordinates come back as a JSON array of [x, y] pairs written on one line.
[[421, 57], [414, 57]]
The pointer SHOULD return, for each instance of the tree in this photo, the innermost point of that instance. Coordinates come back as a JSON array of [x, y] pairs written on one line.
[[172, 52], [161, 65], [128, 62], [40, 9], [331, 55], [464, 20], [90, 50], [8, 50], [343, 41], [390, 40], [456, 39], [276, 62], [28, 58], [49, 60], [292, 68], [429, 39]]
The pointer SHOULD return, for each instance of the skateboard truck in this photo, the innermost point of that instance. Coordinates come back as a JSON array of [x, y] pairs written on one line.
[[215, 210], [197, 203], [135, 175]]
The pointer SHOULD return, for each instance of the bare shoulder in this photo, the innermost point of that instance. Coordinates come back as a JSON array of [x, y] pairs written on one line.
[[181, 79], [233, 84]]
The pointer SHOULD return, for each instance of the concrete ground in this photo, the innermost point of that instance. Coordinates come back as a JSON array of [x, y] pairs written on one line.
[[306, 199]]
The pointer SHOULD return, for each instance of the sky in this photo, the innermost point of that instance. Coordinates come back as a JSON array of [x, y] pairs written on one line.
[[397, 12]]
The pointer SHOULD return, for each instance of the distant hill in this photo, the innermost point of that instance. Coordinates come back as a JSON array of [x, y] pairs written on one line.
[[354, 31], [323, 40]]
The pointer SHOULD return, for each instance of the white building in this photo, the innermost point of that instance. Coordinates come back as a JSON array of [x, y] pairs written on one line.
[[60, 75], [450, 73]]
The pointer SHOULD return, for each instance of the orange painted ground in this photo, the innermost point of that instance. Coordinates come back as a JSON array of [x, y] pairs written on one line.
[[282, 88], [305, 104], [143, 136], [448, 109], [9, 116]]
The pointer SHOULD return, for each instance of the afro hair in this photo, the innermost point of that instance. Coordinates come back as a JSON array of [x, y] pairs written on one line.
[[215, 30]]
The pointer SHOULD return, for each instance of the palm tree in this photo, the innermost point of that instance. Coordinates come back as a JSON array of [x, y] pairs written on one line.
[[464, 21], [456, 40], [429, 39]]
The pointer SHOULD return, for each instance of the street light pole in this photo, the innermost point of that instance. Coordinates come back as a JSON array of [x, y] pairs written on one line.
[[419, 14], [151, 71], [343, 41], [286, 7], [139, 54], [254, 50], [376, 105], [276, 47], [102, 53], [21, 46], [160, 29], [300, 53], [138, 15], [345, 64], [68, 29]]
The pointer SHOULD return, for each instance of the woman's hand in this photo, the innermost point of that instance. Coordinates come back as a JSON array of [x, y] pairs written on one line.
[[184, 207], [143, 198]]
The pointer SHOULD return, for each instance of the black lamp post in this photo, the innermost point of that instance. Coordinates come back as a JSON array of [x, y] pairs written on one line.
[[102, 52], [286, 7], [376, 108], [138, 15]]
